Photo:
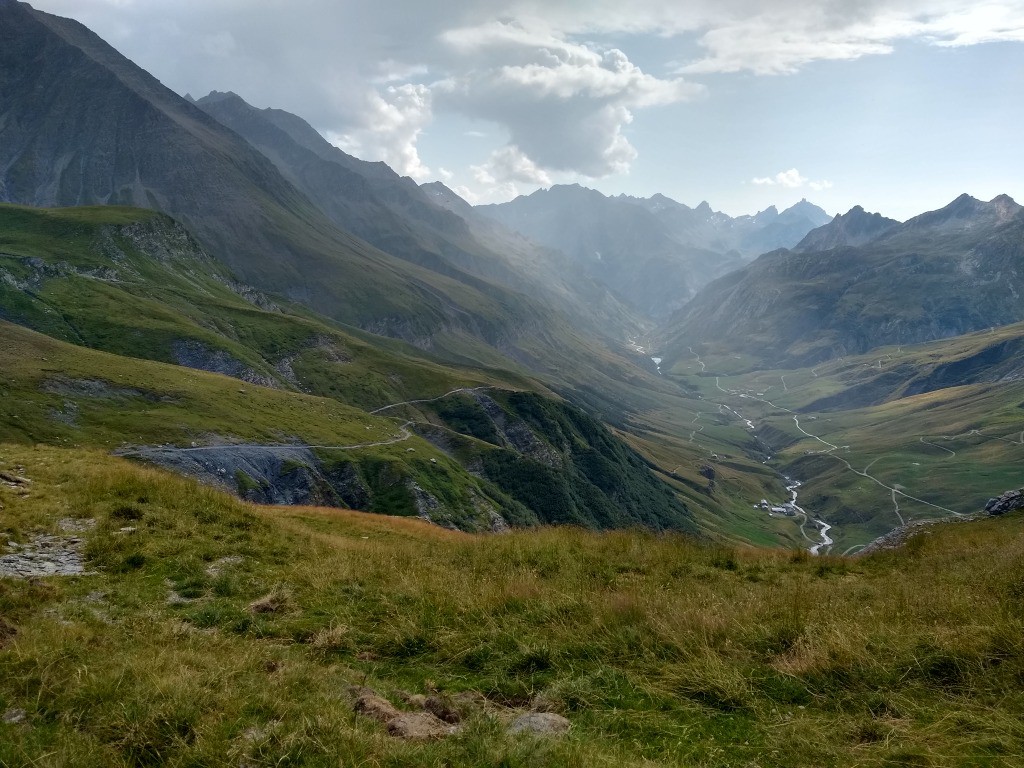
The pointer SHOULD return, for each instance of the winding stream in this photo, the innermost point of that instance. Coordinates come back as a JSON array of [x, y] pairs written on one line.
[[823, 527]]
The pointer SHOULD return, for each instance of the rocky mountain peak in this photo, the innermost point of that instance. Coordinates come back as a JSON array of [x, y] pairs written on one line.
[[855, 227], [966, 212]]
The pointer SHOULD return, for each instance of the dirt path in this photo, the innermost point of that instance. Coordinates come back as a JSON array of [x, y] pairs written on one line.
[[404, 433], [429, 400]]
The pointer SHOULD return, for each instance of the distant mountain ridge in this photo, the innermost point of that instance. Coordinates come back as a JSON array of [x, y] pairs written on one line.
[[403, 219], [940, 274], [653, 253], [855, 227]]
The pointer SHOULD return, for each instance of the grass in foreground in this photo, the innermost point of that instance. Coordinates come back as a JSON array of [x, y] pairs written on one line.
[[659, 651]]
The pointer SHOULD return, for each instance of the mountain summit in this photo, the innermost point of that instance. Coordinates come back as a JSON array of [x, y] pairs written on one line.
[[855, 227]]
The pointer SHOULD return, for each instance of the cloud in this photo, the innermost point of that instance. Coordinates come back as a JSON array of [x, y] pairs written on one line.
[[510, 164], [564, 105], [375, 75], [389, 128], [791, 179], [781, 39]]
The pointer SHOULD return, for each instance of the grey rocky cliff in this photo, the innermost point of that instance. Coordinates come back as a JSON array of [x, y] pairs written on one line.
[[1008, 502]]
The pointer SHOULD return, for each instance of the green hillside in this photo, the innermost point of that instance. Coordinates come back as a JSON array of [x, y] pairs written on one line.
[[209, 631], [135, 284]]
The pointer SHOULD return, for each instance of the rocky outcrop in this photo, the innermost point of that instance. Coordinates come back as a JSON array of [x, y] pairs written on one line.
[[264, 474], [1008, 502], [48, 555], [194, 354]]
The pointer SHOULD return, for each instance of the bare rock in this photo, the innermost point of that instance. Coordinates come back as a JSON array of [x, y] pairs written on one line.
[[1008, 502], [540, 723], [419, 726], [12, 479], [377, 707], [15, 716]]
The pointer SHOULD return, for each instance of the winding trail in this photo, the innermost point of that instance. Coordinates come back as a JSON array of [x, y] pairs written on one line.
[[831, 448], [428, 400], [694, 432], [404, 432], [872, 478], [941, 448]]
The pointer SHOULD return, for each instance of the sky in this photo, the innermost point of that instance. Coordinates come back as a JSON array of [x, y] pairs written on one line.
[[896, 105]]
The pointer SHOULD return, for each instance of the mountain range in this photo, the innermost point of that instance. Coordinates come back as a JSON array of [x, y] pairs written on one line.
[[863, 281], [654, 253]]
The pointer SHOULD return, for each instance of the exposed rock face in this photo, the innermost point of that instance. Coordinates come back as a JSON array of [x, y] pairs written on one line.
[[194, 354], [1008, 502], [264, 474]]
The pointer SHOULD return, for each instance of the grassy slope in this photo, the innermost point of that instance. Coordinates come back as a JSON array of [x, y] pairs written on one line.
[[62, 394], [138, 305], [65, 282], [954, 447], [660, 652]]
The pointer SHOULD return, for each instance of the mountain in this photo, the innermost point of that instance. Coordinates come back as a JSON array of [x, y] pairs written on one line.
[[622, 246], [944, 273], [80, 124], [855, 227], [133, 284], [396, 215], [653, 253], [780, 230]]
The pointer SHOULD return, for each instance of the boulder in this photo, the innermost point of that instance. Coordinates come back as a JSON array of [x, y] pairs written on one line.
[[540, 723], [1008, 502]]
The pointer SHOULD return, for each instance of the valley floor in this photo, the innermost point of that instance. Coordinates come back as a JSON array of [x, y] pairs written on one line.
[[206, 631]]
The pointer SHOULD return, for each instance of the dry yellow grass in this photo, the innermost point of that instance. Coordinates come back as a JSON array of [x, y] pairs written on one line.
[[659, 650]]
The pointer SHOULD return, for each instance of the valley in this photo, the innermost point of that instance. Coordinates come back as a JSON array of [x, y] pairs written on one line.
[[310, 460]]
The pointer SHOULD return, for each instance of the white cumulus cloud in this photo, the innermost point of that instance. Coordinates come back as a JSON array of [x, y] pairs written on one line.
[[791, 179], [389, 128], [564, 105]]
